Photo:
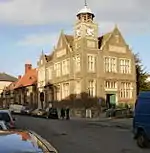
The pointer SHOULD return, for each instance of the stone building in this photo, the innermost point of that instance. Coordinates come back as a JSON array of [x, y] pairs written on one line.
[[99, 66]]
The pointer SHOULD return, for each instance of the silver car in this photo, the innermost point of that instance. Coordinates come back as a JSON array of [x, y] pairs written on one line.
[[20, 141], [6, 116]]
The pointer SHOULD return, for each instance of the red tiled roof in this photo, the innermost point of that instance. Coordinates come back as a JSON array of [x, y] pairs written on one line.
[[28, 79]]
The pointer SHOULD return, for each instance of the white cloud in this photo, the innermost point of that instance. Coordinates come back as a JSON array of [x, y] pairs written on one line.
[[38, 40], [129, 14]]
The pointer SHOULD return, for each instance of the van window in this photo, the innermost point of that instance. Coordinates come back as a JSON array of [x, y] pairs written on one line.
[[4, 117]]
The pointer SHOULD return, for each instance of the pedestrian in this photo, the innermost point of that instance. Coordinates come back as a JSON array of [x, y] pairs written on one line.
[[67, 113], [62, 113]]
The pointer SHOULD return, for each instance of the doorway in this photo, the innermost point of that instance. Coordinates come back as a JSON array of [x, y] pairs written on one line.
[[110, 100]]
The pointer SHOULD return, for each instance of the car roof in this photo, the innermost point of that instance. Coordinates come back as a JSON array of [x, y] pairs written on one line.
[[20, 141], [4, 110]]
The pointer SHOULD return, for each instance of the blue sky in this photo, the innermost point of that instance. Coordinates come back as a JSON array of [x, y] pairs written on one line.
[[29, 26]]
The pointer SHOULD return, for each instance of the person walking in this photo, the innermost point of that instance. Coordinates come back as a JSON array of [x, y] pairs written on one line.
[[67, 113], [62, 113]]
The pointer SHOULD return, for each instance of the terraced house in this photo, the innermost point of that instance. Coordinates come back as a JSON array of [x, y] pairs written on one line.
[[101, 66]]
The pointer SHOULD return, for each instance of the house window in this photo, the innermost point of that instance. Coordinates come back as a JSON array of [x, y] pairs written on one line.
[[65, 67], [78, 88], [58, 69], [91, 63], [125, 66], [41, 75], [126, 90], [77, 63], [110, 64], [110, 84], [66, 90], [92, 88], [58, 93], [49, 73]]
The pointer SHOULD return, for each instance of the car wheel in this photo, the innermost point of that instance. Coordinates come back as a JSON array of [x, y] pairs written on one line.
[[142, 140]]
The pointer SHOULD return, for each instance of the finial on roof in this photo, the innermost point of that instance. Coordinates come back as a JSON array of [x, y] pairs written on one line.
[[42, 52], [62, 30], [116, 26], [85, 10], [28, 62], [85, 3]]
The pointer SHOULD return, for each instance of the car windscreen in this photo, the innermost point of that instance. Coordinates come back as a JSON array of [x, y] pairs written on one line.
[[4, 117]]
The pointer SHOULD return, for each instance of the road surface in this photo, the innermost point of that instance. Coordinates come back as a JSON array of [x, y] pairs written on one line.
[[79, 136]]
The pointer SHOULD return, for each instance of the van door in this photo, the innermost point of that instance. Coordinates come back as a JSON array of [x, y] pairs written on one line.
[[142, 114]]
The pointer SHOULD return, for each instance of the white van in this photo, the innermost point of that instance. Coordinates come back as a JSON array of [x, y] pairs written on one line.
[[16, 108]]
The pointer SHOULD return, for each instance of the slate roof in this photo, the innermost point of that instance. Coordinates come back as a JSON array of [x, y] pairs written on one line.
[[7, 77], [103, 39], [70, 39]]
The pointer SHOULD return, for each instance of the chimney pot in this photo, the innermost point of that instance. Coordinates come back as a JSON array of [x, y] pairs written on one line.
[[28, 67], [19, 76]]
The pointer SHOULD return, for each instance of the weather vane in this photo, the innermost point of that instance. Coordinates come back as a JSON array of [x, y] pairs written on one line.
[[85, 2]]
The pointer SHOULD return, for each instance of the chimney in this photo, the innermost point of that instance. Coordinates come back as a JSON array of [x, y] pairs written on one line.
[[19, 77], [28, 67]]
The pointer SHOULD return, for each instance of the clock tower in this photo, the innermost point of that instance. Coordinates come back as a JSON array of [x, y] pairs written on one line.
[[85, 28]]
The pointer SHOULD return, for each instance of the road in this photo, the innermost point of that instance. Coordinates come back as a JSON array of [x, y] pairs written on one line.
[[79, 136]]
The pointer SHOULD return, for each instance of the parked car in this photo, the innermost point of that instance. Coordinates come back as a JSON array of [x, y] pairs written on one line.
[[3, 125], [53, 113], [39, 113], [26, 110], [16, 108], [141, 120], [19, 141], [6, 116]]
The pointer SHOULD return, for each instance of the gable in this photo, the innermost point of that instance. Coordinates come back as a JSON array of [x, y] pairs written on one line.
[[64, 45], [117, 38], [114, 42], [42, 60], [69, 39], [61, 41]]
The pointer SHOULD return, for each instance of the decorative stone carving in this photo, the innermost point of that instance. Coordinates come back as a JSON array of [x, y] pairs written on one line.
[[61, 53], [117, 49], [90, 44]]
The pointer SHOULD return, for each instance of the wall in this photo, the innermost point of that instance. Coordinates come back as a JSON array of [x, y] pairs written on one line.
[[3, 84]]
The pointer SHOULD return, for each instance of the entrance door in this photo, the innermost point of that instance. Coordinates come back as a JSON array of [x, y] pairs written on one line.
[[110, 100], [113, 99]]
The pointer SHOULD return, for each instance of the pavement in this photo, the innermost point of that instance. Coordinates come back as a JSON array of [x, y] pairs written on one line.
[[125, 123], [82, 136]]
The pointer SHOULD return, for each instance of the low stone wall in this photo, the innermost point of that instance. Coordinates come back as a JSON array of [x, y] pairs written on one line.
[[85, 113]]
